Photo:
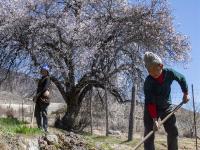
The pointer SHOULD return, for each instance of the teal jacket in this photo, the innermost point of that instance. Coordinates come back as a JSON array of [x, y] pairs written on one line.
[[159, 94]]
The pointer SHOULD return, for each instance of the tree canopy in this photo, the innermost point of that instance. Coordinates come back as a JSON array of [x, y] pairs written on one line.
[[88, 43]]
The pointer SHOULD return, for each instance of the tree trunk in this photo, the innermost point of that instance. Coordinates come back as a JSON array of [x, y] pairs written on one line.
[[69, 120], [132, 114]]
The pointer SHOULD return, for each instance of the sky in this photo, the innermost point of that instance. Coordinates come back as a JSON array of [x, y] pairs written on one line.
[[187, 21]]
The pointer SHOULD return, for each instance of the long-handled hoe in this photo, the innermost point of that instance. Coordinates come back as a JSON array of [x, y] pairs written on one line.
[[163, 121]]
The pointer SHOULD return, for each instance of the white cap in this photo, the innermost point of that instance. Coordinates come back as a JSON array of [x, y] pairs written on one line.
[[151, 59]]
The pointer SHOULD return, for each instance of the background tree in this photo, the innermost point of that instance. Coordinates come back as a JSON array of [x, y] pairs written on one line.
[[87, 43]]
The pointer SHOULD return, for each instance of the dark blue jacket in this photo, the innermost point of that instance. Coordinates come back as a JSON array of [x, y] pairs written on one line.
[[159, 94]]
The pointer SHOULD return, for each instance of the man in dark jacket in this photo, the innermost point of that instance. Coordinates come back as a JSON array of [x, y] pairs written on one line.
[[157, 88], [42, 98]]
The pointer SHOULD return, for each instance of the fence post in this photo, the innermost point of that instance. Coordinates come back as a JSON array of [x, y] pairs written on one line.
[[91, 117], [194, 111], [22, 109], [106, 101], [132, 113]]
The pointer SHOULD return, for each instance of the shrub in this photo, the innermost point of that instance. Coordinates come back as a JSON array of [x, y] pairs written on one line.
[[13, 126], [22, 129]]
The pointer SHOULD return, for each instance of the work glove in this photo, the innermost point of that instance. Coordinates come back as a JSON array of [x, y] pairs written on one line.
[[35, 98]]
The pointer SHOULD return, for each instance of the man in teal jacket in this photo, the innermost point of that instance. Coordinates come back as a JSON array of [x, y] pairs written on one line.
[[157, 88]]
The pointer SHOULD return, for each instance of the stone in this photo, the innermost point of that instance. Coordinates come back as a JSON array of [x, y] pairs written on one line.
[[33, 144], [51, 139]]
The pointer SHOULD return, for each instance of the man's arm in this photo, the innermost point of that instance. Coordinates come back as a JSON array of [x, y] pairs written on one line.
[[149, 100], [183, 84], [45, 86]]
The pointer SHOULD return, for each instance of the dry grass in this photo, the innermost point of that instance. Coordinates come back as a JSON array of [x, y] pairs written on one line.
[[116, 143], [184, 143]]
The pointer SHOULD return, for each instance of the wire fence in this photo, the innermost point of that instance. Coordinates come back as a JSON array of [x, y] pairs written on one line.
[[119, 113]]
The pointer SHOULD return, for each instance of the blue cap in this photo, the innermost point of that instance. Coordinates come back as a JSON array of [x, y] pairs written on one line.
[[45, 67]]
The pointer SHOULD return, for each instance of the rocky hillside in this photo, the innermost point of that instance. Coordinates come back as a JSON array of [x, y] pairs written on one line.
[[62, 140], [55, 140]]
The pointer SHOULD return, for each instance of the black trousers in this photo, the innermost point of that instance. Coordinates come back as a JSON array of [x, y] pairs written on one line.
[[170, 128], [41, 115]]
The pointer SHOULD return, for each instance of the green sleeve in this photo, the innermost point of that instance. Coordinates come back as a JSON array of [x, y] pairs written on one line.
[[181, 80]]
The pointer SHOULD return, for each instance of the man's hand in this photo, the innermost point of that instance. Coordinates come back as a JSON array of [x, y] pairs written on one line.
[[155, 124], [186, 97], [35, 98]]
